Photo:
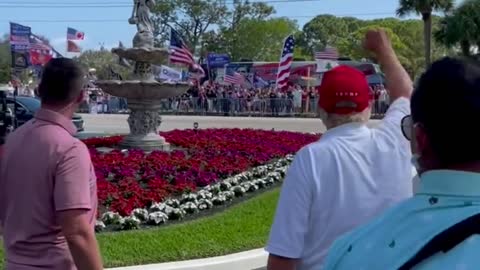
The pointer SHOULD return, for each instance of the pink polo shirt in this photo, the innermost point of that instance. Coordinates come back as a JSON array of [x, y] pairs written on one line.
[[44, 170]]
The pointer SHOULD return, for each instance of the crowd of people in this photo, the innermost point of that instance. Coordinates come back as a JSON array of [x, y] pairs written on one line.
[[348, 200], [228, 100]]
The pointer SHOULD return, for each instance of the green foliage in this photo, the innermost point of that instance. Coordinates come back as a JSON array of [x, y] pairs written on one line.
[[461, 28], [425, 8], [347, 33], [191, 18], [102, 61], [5, 61], [239, 228], [255, 39]]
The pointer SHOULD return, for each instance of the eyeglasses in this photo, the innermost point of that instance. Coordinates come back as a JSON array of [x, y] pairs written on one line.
[[407, 125]]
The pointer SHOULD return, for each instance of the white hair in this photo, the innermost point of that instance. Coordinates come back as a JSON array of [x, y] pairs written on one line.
[[331, 120]]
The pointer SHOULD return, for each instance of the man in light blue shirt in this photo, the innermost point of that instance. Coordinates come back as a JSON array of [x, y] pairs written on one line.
[[439, 228]]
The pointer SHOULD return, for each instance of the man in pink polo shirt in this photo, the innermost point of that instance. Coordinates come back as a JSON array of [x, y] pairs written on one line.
[[48, 194]]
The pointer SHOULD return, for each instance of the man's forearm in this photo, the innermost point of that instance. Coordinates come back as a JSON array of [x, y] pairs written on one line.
[[399, 83], [85, 252]]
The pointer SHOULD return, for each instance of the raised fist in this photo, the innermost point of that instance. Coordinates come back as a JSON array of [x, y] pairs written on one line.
[[377, 42]]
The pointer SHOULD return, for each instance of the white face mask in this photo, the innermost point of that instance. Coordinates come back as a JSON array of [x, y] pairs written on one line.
[[415, 163]]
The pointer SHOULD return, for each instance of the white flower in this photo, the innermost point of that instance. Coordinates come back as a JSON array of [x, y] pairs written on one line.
[[111, 218], [204, 194], [229, 195], [189, 208], [130, 223], [157, 218], [141, 214], [191, 197], [233, 181], [225, 186], [176, 213], [173, 203], [158, 207], [219, 200], [239, 191], [99, 226], [204, 204]]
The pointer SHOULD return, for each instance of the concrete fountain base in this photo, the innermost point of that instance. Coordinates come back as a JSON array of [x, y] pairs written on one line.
[[147, 143], [144, 99]]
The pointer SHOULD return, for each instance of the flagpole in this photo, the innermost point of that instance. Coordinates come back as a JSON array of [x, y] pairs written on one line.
[[208, 71], [308, 75], [280, 61]]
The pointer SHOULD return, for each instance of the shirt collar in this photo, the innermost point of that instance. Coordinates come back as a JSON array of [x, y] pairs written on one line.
[[450, 183], [56, 118], [345, 130]]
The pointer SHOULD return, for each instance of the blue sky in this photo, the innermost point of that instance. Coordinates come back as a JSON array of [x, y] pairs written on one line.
[[53, 22]]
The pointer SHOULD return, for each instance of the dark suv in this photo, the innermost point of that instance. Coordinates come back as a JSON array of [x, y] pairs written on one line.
[[28, 106]]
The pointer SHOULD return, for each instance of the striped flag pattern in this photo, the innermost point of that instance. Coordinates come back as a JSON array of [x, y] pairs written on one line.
[[180, 53], [329, 53], [233, 77], [286, 60]]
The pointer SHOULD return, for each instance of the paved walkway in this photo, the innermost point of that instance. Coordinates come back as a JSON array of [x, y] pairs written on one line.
[[114, 123]]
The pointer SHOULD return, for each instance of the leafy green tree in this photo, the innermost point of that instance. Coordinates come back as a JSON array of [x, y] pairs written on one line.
[[103, 61], [461, 28], [355, 50], [425, 9], [5, 60], [326, 30], [259, 40], [191, 18]]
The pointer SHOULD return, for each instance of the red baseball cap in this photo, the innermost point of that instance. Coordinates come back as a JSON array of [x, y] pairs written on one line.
[[344, 90]]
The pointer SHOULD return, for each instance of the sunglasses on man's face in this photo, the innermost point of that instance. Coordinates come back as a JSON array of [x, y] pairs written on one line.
[[407, 127]]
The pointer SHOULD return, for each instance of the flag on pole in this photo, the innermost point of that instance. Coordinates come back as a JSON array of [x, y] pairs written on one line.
[[233, 77], [73, 47], [180, 53], [73, 34], [328, 53], [286, 60], [40, 51]]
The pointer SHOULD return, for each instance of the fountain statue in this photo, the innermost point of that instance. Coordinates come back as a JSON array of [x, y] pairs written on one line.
[[143, 93]]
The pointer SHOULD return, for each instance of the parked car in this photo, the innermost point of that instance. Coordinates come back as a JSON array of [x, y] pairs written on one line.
[[28, 106]]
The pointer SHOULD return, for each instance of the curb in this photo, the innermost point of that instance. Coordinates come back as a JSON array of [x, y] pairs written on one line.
[[248, 260]]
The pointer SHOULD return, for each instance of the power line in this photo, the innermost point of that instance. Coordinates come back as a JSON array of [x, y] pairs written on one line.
[[124, 20], [114, 2], [33, 5]]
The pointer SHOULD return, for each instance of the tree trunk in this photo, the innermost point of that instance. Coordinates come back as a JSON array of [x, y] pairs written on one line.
[[465, 46], [427, 35]]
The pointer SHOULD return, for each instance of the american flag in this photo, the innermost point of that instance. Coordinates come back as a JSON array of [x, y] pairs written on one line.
[[40, 52], [233, 77], [328, 54], [286, 60], [73, 34], [180, 53]]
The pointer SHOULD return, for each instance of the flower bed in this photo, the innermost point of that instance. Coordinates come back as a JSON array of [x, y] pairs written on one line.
[[135, 187]]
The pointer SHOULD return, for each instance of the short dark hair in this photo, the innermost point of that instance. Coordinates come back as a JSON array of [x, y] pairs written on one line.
[[447, 103], [62, 81]]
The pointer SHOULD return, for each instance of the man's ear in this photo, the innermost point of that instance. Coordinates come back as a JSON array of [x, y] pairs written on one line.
[[81, 97], [421, 142]]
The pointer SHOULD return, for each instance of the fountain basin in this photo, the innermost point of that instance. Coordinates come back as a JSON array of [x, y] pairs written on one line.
[[144, 101], [146, 55], [143, 90]]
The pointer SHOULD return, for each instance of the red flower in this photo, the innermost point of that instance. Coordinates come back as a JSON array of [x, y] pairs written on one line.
[[136, 179]]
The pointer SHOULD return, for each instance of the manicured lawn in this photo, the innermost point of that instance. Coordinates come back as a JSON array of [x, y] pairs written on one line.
[[239, 228]]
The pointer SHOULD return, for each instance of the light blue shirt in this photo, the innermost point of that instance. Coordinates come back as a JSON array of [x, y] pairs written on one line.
[[444, 199]]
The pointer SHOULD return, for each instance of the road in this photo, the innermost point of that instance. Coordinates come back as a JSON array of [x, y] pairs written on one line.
[[115, 123]]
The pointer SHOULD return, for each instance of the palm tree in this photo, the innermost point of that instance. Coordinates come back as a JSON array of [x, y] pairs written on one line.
[[425, 8], [461, 29]]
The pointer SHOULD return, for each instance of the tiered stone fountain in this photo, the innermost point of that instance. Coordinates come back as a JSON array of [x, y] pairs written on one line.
[[143, 93]]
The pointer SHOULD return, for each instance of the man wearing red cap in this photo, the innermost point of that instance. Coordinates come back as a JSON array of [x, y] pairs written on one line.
[[352, 173]]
